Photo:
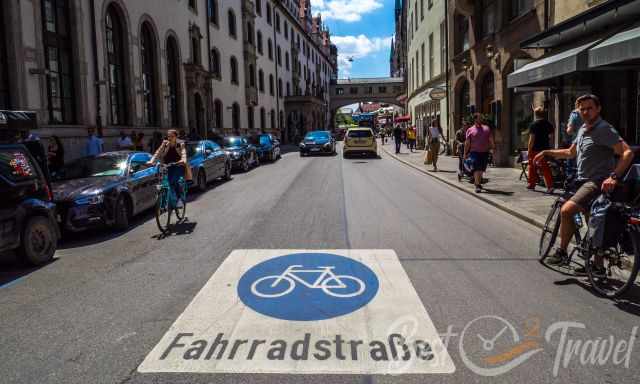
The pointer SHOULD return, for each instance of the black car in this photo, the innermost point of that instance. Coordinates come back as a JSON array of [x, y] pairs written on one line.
[[27, 211], [208, 162], [243, 154], [316, 142], [107, 189], [267, 146]]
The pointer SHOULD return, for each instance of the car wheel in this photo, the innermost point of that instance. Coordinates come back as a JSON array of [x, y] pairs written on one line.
[[272, 156], [121, 214], [245, 164], [202, 181], [39, 241], [256, 163], [227, 171]]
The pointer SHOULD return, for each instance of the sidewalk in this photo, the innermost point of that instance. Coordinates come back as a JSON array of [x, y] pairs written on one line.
[[504, 190]]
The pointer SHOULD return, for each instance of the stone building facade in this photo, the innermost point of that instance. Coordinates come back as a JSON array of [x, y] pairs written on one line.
[[149, 66]]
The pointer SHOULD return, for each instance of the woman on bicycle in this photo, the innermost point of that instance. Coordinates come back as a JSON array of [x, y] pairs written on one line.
[[173, 151]]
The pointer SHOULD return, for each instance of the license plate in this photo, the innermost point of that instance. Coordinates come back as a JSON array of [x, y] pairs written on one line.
[[315, 149]]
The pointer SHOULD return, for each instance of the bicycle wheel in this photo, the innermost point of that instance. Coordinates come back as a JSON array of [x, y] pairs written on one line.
[[269, 289], [549, 231], [182, 211], [163, 213], [612, 273]]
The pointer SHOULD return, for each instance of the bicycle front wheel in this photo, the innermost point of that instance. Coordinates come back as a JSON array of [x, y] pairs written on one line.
[[163, 213], [549, 231], [612, 274]]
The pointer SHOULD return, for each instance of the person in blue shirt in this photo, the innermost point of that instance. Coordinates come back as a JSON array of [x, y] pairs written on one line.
[[94, 145]]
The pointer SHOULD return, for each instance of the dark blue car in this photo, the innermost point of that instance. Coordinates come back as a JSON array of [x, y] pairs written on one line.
[[317, 142], [208, 162], [242, 153], [267, 146]]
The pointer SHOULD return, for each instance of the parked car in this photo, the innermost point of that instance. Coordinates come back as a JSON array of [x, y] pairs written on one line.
[[107, 189], [317, 142], [360, 141], [243, 154], [27, 212], [208, 161], [267, 146]]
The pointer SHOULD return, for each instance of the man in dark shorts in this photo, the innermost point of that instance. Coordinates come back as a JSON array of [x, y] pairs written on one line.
[[594, 147], [478, 144]]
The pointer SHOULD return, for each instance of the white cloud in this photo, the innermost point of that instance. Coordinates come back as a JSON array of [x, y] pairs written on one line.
[[345, 10], [357, 47]]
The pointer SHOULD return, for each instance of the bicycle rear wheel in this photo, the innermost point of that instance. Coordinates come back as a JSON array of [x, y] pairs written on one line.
[[612, 274], [549, 231], [163, 213]]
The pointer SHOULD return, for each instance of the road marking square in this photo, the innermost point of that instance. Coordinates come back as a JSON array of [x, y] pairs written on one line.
[[304, 312]]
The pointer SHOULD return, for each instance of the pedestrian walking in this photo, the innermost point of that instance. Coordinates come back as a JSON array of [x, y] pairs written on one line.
[[479, 142], [397, 137], [540, 132], [55, 154], [382, 135], [94, 145], [124, 142], [411, 138], [461, 137], [433, 138]]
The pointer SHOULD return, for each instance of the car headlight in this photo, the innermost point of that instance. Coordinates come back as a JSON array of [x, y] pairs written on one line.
[[301, 145], [236, 155], [90, 200], [327, 144]]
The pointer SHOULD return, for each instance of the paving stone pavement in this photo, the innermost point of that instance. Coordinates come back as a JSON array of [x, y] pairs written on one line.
[[504, 190]]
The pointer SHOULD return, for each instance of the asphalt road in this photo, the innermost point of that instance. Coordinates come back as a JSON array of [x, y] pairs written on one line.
[[95, 313]]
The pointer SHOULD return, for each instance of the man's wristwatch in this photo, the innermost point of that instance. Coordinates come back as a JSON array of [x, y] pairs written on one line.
[[614, 176]]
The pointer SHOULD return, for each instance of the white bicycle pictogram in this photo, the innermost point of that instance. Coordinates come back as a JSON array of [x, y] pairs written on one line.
[[328, 281]]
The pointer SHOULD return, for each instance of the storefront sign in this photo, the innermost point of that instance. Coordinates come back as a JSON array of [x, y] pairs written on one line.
[[438, 93]]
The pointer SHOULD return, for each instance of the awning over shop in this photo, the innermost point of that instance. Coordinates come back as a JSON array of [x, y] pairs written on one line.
[[562, 63], [401, 119], [624, 46]]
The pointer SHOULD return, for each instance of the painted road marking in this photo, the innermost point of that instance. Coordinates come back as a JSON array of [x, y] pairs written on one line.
[[304, 312]]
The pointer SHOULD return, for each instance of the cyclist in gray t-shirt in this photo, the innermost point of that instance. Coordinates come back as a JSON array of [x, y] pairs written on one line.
[[595, 146]]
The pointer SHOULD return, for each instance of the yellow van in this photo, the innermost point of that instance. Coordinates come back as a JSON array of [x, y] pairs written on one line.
[[360, 141]]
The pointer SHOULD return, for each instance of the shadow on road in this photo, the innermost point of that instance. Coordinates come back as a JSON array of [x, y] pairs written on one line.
[[185, 227], [12, 269], [629, 302]]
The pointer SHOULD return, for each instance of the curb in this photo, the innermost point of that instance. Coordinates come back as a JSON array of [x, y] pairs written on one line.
[[514, 212]]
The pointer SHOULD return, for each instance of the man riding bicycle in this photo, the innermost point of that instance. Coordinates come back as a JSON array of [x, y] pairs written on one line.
[[173, 151], [595, 146]]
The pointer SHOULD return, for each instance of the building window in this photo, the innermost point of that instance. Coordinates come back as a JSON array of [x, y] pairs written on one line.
[[250, 33], [277, 16], [116, 63], [195, 50], [462, 35], [270, 49], [369, 91], [261, 81], [273, 119], [234, 70], [443, 48], [415, 10], [263, 119], [286, 30], [232, 23], [422, 64], [213, 11], [286, 60], [252, 76], [218, 112], [193, 5], [382, 89], [235, 118], [430, 4], [281, 120], [215, 63], [268, 13], [5, 102], [520, 7], [432, 58], [173, 84], [259, 7], [280, 94], [339, 91], [288, 89], [488, 17], [58, 55], [353, 90], [271, 85], [259, 42], [250, 118], [421, 10], [149, 75], [279, 55]]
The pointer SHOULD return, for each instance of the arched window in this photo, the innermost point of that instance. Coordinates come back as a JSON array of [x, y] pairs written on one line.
[[116, 61], [259, 42], [273, 119], [218, 117], [252, 76], [235, 118], [288, 89], [270, 49], [258, 7], [213, 11], [173, 84], [58, 54], [487, 92], [232, 23], [215, 63], [250, 33], [279, 55], [279, 87], [261, 81], [250, 118], [286, 60], [195, 49], [234, 70], [263, 119], [268, 13], [271, 85], [281, 120], [149, 75]]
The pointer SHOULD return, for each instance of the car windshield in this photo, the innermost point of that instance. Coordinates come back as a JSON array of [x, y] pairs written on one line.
[[94, 167], [360, 133], [193, 149], [233, 141], [317, 135], [265, 140]]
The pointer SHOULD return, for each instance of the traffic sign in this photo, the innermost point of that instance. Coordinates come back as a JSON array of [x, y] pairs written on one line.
[[304, 312]]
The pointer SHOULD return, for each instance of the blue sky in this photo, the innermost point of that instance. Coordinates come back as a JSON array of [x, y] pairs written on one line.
[[361, 29]]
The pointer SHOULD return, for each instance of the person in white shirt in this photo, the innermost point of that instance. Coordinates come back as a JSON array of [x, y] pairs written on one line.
[[433, 135], [124, 142]]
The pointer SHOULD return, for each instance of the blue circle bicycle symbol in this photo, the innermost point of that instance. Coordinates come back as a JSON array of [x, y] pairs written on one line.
[[307, 286]]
